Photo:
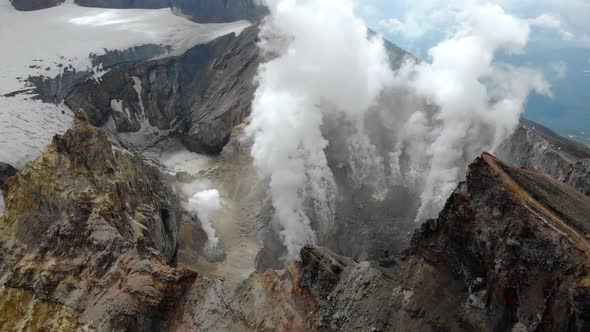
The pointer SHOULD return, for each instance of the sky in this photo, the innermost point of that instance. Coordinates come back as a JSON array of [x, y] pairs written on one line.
[[559, 45]]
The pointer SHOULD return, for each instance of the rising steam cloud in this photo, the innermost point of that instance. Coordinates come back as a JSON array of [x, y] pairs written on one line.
[[323, 61], [438, 115], [471, 103], [204, 204]]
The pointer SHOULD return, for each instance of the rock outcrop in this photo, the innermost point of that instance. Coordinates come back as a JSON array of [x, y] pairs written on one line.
[[28, 5], [6, 171], [533, 145], [204, 11], [183, 94], [88, 240]]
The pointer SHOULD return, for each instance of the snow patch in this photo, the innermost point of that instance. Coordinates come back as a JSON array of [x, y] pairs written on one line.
[[137, 87], [27, 127], [117, 106], [46, 42], [1, 202]]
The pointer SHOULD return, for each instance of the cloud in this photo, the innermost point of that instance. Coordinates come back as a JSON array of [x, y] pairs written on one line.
[[393, 25], [551, 22], [438, 116], [409, 28], [471, 103], [546, 21], [420, 18], [560, 70], [422, 23]]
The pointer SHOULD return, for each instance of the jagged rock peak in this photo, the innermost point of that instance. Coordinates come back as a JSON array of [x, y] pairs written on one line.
[[88, 238]]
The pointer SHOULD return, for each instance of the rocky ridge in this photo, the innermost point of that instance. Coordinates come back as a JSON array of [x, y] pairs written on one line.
[[533, 145], [203, 11], [179, 94], [89, 239]]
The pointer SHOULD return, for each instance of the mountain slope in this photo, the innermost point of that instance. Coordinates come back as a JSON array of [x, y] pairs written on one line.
[[94, 243], [533, 145], [77, 44], [504, 254], [87, 237]]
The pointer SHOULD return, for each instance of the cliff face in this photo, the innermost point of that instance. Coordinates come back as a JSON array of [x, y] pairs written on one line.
[[27, 5], [205, 11], [535, 146], [87, 239], [182, 94]]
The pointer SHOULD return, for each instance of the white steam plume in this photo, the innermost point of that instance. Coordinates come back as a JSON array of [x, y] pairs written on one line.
[[471, 103], [323, 61], [204, 204]]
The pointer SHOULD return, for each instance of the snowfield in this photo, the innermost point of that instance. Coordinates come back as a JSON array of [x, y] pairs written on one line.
[[45, 42], [27, 127]]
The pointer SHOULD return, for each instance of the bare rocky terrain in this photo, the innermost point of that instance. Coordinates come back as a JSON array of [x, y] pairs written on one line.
[[533, 145], [90, 239], [96, 235]]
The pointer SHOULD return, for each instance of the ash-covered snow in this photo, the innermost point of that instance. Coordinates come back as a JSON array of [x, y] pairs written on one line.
[[36, 43], [1, 202], [27, 127], [46, 42]]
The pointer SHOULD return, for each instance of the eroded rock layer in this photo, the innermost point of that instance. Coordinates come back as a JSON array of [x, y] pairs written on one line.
[[88, 239]]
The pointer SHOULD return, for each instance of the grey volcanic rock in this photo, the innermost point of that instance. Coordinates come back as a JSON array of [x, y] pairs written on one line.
[[226, 93], [140, 4], [204, 11], [200, 95], [219, 11], [535, 146], [28, 5], [579, 176], [6, 171], [55, 89]]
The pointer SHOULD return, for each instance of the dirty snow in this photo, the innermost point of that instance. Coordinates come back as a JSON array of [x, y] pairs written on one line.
[[27, 127], [45, 42], [36, 42]]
